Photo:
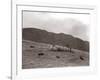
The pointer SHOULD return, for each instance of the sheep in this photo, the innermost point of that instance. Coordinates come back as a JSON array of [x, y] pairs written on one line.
[[69, 48], [61, 48], [65, 48], [58, 48]]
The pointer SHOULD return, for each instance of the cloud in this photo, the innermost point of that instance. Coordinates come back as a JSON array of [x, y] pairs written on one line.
[[57, 23]]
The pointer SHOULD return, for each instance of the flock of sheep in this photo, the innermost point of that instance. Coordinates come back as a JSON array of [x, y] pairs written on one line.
[[63, 48], [52, 47], [60, 48]]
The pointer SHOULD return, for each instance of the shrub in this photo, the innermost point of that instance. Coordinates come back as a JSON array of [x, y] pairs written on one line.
[[32, 46]]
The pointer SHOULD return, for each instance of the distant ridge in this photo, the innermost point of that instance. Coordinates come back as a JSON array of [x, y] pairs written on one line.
[[44, 36]]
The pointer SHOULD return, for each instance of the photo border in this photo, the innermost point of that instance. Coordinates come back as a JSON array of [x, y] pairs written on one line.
[[15, 75]]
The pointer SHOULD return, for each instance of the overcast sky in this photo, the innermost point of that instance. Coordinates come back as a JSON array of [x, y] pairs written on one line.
[[74, 24]]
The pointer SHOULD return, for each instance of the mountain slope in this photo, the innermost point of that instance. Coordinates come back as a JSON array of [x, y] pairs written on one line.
[[43, 36], [31, 57]]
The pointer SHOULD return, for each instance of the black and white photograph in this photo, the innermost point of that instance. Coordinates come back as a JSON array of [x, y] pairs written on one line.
[[55, 39]]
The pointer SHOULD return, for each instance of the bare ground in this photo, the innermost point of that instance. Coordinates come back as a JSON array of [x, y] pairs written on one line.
[[49, 59]]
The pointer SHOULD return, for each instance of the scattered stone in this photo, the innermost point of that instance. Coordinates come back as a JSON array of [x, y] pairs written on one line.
[[32, 46], [41, 54], [81, 58], [57, 57]]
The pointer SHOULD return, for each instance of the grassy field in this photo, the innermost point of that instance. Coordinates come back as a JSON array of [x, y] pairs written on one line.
[[39, 55]]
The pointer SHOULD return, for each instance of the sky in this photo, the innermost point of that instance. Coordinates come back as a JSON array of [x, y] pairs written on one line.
[[73, 24]]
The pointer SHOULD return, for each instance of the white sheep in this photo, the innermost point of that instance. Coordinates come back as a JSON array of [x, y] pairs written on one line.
[[58, 48]]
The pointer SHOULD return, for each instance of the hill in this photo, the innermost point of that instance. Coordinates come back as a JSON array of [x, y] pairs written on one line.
[[62, 39], [39, 55]]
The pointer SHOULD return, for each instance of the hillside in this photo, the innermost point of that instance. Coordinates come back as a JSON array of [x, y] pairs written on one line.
[[39, 55], [43, 36]]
